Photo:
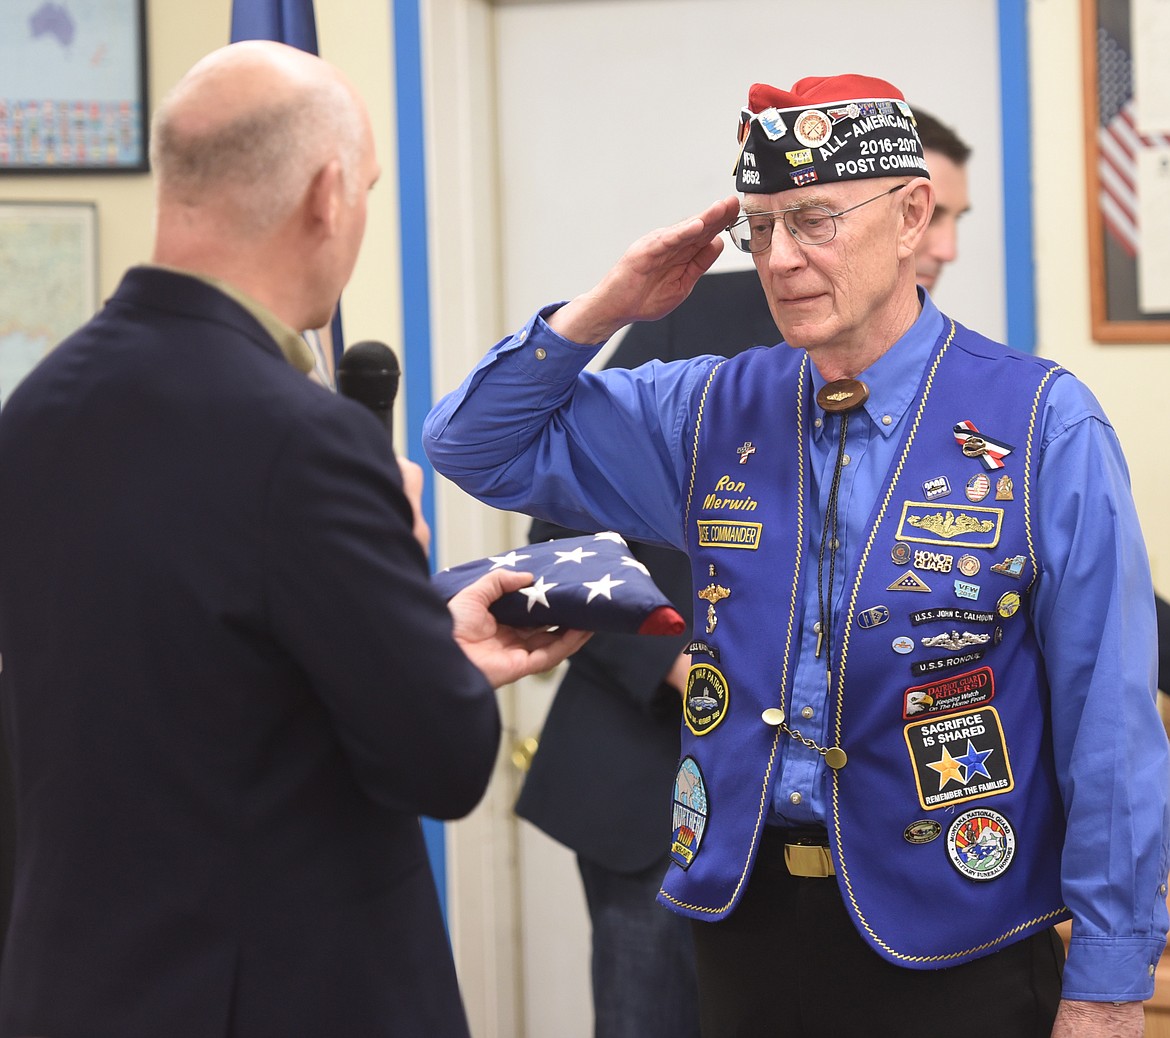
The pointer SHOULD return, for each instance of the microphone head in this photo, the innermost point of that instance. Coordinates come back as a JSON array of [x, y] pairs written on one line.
[[368, 372]]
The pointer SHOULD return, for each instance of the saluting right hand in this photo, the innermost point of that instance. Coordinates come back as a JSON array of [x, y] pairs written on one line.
[[654, 275]]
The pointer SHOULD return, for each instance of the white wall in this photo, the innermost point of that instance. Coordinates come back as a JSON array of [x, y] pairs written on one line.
[[619, 116]]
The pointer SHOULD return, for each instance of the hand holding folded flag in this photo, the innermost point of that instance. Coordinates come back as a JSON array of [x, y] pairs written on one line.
[[590, 583]]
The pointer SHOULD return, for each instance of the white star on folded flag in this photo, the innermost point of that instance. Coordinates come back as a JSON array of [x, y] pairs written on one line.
[[585, 596], [604, 586], [537, 593], [609, 535], [578, 554], [627, 561], [511, 560]]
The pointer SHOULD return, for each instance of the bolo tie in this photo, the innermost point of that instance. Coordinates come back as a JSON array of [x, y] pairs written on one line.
[[841, 397]]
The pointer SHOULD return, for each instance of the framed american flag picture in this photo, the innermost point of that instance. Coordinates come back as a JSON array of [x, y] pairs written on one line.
[[1127, 155]]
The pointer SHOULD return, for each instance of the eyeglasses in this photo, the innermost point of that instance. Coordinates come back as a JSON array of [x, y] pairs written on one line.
[[808, 224]]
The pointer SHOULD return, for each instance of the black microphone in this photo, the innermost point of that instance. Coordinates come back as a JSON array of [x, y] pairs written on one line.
[[368, 373]]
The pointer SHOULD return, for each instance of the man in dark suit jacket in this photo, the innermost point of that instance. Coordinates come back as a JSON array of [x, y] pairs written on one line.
[[600, 782], [228, 688]]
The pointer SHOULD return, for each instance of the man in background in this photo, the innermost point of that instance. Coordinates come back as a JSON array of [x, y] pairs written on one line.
[[617, 711], [227, 685], [946, 157]]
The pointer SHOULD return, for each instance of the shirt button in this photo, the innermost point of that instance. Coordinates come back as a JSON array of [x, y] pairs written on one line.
[[794, 798], [1163, 888], [541, 353], [817, 422], [523, 334], [807, 713], [887, 420], [1151, 969], [844, 459]]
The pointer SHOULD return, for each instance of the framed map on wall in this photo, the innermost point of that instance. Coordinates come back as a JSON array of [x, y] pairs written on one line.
[[48, 281], [73, 86]]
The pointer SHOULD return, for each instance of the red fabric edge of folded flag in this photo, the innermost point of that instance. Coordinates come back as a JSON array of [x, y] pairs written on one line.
[[663, 620]]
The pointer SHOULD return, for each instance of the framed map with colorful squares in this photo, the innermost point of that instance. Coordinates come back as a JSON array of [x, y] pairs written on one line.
[[73, 86]]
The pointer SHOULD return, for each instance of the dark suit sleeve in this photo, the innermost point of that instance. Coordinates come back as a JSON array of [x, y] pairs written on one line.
[[7, 835], [351, 600]]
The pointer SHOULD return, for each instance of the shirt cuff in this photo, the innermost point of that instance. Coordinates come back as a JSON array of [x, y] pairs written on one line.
[[543, 355], [1111, 969]]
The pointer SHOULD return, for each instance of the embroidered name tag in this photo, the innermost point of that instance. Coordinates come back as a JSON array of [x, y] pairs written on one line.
[[959, 758], [970, 527], [945, 663], [966, 616], [716, 534]]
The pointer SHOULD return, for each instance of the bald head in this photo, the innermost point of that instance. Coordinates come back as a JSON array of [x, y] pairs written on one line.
[[263, 157], [248, 128]]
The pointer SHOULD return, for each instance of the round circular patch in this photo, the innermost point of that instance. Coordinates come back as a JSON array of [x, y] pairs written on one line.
[[1008, 603], [902, 645], [705, 703], [900, 553], [812, 128], [981, 844], [968, 565], [922, 831], [690, 812]]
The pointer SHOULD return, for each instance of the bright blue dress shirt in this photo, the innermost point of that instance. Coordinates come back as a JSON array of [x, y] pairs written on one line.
[[530, 431]]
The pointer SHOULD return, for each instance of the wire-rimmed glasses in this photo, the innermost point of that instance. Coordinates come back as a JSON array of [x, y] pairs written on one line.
[[808, 224]]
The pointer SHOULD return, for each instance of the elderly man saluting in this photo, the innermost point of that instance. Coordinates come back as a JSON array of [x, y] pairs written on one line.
[[919, 718]]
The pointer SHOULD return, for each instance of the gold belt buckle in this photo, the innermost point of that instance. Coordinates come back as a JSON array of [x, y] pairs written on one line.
[[810, 861]]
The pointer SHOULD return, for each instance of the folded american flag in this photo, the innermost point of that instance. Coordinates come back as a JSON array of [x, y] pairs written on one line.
[[590, 583]]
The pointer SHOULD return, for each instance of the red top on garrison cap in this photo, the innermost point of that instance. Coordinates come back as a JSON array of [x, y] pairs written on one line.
[[825, 129], [821, 90]]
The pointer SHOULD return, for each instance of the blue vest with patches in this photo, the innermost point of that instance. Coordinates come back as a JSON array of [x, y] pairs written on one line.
[[945, 824]]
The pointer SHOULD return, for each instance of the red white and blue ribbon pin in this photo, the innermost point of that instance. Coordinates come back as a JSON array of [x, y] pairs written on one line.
[[977, 445]]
